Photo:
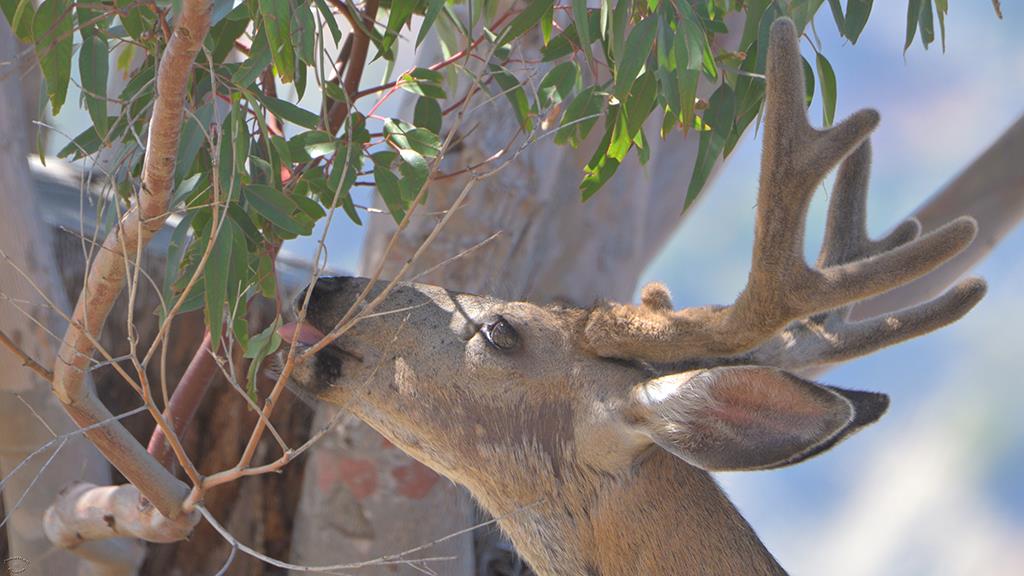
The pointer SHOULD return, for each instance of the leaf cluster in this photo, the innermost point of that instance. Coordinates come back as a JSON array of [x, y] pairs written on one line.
[[257, 165]]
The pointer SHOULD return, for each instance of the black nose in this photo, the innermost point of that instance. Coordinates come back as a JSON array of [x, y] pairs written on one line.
[[323, 287], [327, 284]]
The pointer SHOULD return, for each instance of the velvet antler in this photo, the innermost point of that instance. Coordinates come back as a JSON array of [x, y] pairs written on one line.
[[781, 287]]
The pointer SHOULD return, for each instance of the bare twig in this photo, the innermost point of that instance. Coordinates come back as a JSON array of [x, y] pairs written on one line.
[[26, 360], [398, 558]]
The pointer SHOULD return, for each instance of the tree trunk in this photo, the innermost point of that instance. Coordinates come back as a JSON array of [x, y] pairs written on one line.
[[362, 498], [29, 413]]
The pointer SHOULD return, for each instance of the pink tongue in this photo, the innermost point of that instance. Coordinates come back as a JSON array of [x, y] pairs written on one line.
[[307, 334]]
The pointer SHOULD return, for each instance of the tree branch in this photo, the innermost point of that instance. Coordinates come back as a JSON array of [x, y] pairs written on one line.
[[86, 512], [354, 68], [108, 271], [26, 360], [184, 401]]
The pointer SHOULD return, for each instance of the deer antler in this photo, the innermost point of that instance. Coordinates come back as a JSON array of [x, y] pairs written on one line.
[[781, 287], [830, 337]]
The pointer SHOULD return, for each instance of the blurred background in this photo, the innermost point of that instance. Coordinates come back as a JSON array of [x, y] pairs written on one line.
[[936, 487]]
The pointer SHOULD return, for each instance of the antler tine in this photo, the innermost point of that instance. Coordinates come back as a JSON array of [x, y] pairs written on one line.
[[846, 230], [781, 286], [829, 338]]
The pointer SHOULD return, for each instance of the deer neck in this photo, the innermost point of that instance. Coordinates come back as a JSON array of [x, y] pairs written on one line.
[[665, 517]]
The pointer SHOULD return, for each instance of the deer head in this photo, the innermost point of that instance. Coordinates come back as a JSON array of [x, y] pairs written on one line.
[[588, 431]]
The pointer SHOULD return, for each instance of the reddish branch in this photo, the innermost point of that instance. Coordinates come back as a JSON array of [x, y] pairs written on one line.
[[184, 401], [108, 271], [354, 68]]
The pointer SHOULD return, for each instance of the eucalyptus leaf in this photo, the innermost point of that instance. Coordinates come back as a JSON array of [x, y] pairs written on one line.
[[638, 46], [52, 30], [93, 66], [827, 77]]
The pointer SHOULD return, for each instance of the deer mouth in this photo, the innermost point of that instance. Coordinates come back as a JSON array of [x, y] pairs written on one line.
[[301, 332], [327, 364]]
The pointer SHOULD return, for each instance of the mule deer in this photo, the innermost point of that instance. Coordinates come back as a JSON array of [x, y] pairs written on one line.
[[589, 433]]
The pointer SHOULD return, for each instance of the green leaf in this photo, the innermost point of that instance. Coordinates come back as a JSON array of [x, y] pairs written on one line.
[[398, 16], [277, 17], [913, 13], [258, 60], [828, 90], [581, 19], [427, 114], [276, 207], [638, 46], [689, 46], [215, 282], [290, 112], [557, 84], [528, 18], [802, 12], [19, 14], [567, 42], [808, 82], [547, 24], [941, 7], [620, 142], [510, 86], [640, 102], [390, 191], [605, 160], [414, 171], [85, 144], [926, 24], [837, 15], [304, 34], [423, 82], [175, 248], [136, 18], [92, 68], [403, 135], [330, 19], [192, 139], [857, 12], [433, 9], [347, 162], [580, 117], [258, 347], [306, 146], [719, 117], [53, 31]]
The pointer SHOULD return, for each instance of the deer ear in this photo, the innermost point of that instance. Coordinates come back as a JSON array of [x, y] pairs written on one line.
[[748, 417]]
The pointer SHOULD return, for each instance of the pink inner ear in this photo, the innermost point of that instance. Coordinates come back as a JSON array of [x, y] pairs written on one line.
[[771, 402]]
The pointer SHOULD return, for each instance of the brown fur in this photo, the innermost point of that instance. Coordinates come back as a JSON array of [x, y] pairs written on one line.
[[589, 439]]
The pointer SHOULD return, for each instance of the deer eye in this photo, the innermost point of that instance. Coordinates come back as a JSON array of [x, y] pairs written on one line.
[[500, 334]]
